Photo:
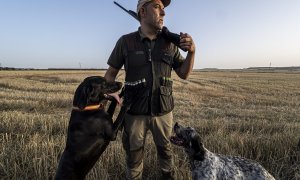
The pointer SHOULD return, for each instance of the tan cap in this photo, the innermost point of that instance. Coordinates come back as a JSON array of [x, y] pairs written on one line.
[[142, 2]]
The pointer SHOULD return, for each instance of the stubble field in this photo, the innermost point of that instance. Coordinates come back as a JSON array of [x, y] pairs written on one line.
[[250, 114]]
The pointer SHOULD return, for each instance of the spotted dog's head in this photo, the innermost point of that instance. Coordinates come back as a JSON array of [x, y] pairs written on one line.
[[93, 90], [190, 140]]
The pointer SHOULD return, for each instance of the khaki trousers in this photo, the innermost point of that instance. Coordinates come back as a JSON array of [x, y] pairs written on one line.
[[134, 136]]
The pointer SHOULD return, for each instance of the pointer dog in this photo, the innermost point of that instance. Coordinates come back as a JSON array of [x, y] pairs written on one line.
[[210, 166], [90, 128]]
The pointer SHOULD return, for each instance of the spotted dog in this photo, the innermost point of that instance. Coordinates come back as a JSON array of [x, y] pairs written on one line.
[[210, 166]]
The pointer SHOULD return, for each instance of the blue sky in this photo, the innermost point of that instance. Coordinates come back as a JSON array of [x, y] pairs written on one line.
[[74, 33]]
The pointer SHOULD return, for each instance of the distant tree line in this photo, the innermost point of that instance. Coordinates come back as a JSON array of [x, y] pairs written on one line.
[[12, 68], [50, 69], [291, 68]]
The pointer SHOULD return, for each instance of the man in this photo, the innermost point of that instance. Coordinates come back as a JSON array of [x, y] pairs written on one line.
[[147, 56]]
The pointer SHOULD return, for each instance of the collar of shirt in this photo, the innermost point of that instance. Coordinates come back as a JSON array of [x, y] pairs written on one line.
[[146, 40]]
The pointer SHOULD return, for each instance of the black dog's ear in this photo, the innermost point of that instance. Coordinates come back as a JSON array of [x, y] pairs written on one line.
[[81, 97], [198, 148]]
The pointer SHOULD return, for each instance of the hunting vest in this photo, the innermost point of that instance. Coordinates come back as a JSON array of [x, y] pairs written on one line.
[[153, 65]]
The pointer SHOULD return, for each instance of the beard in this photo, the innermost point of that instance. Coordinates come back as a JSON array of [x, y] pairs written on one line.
[[157, 25], [155, 22], [160, 24]]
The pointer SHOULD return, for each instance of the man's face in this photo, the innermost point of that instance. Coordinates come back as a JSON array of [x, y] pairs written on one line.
[[154, 14]]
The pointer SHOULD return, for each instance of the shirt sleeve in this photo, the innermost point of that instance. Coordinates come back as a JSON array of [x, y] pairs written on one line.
[[116, 59], [178, 59]]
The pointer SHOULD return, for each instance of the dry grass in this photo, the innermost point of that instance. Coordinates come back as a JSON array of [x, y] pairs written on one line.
[[254, 115]]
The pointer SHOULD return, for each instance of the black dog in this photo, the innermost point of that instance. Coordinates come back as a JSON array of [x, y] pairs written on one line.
[[90, 128]]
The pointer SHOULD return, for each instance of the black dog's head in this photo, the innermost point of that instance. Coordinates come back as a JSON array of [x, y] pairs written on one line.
[[190, 140], [93, 90]]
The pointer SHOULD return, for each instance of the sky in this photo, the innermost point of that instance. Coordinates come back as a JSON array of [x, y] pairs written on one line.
[[228, 34]]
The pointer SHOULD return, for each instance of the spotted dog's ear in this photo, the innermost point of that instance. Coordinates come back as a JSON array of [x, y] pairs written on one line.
[[198, 147]]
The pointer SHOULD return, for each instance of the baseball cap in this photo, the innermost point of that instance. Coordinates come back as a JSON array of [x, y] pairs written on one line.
[[142, 2]]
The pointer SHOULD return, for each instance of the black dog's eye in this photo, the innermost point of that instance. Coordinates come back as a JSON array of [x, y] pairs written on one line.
[[189, 132]]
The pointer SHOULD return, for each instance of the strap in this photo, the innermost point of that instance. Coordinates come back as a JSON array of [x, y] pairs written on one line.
[[90, 108]]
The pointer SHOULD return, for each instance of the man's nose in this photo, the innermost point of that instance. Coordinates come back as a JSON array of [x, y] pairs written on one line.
[[162, 12]]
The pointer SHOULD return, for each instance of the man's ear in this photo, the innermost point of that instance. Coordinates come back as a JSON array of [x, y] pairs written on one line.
[[198, 148], [142, 12]]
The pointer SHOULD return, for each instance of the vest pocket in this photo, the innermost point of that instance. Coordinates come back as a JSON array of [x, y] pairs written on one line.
[[166, 99], [137, 59], [168, 59]]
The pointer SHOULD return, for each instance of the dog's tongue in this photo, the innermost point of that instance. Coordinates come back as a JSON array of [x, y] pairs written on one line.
[[177, 141], [116, 96]]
